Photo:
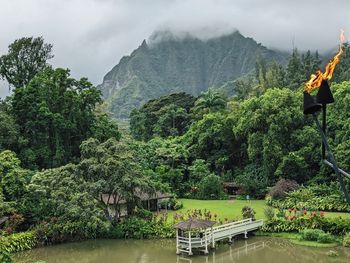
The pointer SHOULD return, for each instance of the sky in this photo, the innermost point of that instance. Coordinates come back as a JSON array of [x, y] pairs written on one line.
[[91, 36]]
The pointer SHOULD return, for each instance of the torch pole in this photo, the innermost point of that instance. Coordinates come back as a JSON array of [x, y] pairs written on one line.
[[324, 128], [331, 159]]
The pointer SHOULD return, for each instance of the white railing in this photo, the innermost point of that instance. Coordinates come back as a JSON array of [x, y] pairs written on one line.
[[195, 241], [210, 236]]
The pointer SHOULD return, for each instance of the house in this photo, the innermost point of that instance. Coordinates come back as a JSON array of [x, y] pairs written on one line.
[[149, 201], [231, 188]]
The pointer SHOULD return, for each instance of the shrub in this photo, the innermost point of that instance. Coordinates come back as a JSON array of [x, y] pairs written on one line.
[[175, 204], [49, 233], [211, 187], [311, 234], [346, 240], [248, 212], [282, 187], [325, 238], [317, 197], [138, 228], [16, 243], [269, 213], [144, 214], [335, 226], [316, 235], [253, 180]]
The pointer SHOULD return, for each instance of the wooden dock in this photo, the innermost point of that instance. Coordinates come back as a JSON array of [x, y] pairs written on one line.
[[208, 237]]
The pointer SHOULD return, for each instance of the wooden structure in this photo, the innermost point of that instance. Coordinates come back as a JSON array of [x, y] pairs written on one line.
[[117, 206], [185, 243], [206, 235]]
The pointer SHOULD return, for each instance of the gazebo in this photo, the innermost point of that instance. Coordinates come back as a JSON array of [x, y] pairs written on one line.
[[185, 243]]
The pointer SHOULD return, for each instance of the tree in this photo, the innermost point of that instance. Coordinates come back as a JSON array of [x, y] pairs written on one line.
[[173, 121], [112, 168], [55, 113], [210, 101], [9, 132], [211, 187], [272, 130], [198, 170], [105, 128], [12, 177], [62, 199], [310, 63], [167, 116], [212, 140], [338, 124], [26, 57], [295, 75], [253, 181]]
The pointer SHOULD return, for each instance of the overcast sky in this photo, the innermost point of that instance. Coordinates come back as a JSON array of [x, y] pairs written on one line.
[[90, 36]]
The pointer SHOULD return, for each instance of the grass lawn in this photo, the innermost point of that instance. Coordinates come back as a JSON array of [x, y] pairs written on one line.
[[231, 209]]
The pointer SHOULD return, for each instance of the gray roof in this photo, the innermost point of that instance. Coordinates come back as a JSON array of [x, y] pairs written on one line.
[[142, 195], [194, 223]]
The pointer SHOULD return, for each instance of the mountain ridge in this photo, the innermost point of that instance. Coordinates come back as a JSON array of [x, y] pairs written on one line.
[[186, 64]]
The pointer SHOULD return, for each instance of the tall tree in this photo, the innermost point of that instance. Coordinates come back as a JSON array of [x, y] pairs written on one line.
[[295, 75], [9, 132], [168, 115], [210, 101], [26, 57], [55, 113], [112, 168]]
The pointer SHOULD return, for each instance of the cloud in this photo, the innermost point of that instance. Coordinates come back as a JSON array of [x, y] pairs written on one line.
[[90, 36]]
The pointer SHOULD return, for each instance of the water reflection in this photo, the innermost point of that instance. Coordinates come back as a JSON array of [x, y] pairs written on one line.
[[233, 254], [255, 249]]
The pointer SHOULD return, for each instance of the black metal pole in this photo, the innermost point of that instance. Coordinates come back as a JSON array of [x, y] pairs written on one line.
[[331, 159], [324, 127]]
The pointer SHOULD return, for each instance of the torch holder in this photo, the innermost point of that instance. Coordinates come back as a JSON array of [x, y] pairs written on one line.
[[332, 162]]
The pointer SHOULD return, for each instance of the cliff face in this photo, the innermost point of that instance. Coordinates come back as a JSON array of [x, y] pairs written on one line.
[[171, 65]]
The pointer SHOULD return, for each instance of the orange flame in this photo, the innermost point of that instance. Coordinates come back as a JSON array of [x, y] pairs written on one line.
[[317, 78]]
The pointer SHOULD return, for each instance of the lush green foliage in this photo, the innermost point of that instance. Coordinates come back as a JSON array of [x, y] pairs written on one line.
[[167, 116], [61, 197], [248, 212], [113, 168], [9, 132], [16, 243], [134, 227], [211, 187], [317, 197], [26, 57], [180, 143], [316, 235], [346, 240], [13, 179], [313, 220], [56, 114]]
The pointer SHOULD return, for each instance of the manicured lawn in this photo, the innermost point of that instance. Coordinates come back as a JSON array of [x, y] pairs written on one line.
[[231, 209]]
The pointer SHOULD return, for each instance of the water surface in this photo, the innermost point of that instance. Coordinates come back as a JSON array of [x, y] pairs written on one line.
[[255, 249]]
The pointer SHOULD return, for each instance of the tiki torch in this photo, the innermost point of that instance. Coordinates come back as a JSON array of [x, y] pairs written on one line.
[[313, 105]]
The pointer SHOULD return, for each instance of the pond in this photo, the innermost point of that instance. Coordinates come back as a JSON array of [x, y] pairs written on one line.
[[254, 249]]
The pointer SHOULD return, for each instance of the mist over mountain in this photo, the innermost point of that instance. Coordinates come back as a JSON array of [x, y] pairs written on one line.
[[169, 63]]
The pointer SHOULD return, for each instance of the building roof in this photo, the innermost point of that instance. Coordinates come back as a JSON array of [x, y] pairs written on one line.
[[230, 184], [142, 195], [194, 223]]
